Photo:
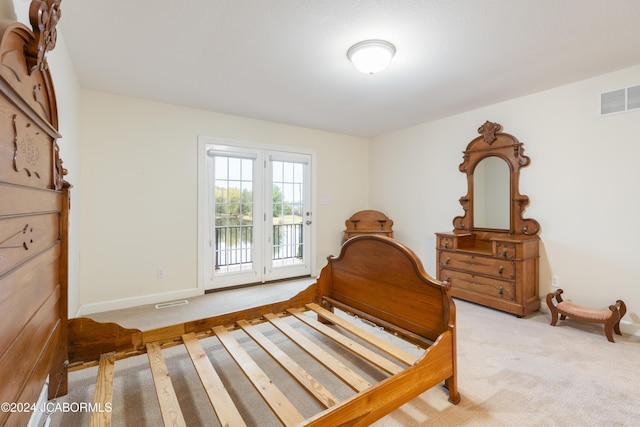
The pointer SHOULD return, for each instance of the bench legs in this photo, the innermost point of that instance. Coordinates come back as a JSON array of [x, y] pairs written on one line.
[[610, 317]]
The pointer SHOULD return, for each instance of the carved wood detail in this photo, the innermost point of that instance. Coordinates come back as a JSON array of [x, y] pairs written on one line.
[[494, 142], [44, 16], [27, 153], [25, 79], [27, 240]]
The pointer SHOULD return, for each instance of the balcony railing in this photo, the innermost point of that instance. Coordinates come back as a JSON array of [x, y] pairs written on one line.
[[233, 244]]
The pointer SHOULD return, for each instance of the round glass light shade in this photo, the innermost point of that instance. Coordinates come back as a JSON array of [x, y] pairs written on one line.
[[371, 56]]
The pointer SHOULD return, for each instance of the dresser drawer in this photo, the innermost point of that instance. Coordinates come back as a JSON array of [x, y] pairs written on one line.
[[480, 264], [479, 284], [445, 242], [505, 250]]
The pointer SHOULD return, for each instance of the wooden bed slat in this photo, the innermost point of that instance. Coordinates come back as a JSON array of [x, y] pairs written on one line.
[[334, 365], [309, 382], [412, 337], [278, 402], [374, 340], [169, 406], [104, 390], [349, 344], [223, 405]]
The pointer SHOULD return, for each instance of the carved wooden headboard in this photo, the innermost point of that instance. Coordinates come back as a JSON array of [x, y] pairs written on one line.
[[33, 215], [368, 222]]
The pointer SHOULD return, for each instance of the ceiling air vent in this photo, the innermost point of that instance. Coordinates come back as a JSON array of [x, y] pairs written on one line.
[[619, 101]]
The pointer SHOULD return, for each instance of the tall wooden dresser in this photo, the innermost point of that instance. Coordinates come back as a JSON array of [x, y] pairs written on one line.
[[492, 255]]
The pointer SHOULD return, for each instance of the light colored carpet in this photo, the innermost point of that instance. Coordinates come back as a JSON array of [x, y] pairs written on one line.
[[511, 372]]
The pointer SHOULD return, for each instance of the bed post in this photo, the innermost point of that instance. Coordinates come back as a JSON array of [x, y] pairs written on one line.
[[325, 287], [451, 383]]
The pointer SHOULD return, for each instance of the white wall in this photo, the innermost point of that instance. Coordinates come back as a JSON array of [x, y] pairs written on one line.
[[67, 90], [139, 205], [582, 183]]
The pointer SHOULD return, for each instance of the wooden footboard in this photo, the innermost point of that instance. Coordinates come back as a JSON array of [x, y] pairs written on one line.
[[380, 373]]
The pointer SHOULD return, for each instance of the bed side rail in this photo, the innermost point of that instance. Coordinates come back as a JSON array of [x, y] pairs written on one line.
[[89, 339]]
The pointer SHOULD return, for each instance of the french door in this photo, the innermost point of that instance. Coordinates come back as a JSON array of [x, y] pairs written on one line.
[[258, 213]]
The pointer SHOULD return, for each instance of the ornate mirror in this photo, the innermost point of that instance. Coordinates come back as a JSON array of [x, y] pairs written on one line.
[[493, 202], [491, 198]]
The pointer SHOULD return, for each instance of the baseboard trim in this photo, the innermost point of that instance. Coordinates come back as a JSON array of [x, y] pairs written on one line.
[[119, 304]]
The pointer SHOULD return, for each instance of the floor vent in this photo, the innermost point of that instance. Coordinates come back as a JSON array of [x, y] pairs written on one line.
[[172, 304], [619, 101]]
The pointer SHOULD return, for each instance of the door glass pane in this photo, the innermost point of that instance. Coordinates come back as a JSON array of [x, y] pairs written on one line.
[[233, 207], [288, 242]]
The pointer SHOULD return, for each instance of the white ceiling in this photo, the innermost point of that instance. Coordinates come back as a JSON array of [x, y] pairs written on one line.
[[285, 60]]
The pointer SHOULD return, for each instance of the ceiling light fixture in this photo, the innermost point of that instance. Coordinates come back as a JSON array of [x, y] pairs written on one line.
[[371, 56]]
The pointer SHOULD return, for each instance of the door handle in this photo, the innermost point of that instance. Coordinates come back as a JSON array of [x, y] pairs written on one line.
[[308, 222]]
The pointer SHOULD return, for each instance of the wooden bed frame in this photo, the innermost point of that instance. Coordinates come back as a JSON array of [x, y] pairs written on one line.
[[375, 278]]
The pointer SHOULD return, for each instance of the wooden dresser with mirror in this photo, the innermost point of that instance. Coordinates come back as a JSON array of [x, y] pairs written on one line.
[[491, 256]]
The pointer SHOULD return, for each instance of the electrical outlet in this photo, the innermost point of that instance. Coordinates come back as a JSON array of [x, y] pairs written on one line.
[[555, 281], [160, 273]]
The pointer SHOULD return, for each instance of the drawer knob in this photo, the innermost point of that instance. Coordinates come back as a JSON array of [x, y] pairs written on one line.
[[446, 244], [500, 269], [447, 261], [504, 252], [501, 290]]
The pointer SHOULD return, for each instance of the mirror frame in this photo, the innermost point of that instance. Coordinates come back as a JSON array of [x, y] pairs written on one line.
[[493, 142]]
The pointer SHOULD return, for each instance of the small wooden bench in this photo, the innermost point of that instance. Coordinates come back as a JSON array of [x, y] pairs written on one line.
[[609, 317]]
